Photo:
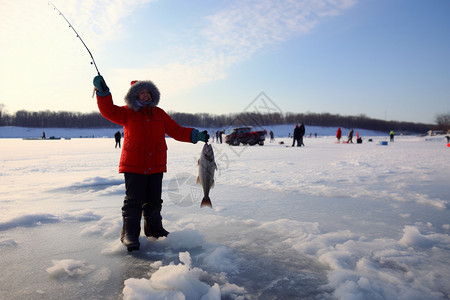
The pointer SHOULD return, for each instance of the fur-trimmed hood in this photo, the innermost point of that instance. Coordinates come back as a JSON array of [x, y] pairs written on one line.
[[136, 86]]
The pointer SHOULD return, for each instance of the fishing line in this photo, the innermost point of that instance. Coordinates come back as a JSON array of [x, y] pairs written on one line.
[[78, 36]]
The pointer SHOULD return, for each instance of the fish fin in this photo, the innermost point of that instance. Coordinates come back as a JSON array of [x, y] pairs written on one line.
[[198, 180], [206, 202], [215, 166], [198, 162]]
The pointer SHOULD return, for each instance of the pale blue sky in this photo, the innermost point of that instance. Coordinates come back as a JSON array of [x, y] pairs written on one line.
[[387, 59]]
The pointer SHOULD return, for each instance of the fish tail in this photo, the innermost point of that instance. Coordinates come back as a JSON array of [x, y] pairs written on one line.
[[206, 202]]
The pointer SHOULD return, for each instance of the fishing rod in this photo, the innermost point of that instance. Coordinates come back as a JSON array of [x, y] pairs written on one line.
[[78, 36]]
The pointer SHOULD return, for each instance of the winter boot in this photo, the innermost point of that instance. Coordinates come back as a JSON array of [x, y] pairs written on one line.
[[131, 227], [153, 224]]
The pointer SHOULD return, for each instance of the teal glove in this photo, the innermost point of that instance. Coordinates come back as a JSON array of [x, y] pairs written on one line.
[[203, 136], [100, 85]]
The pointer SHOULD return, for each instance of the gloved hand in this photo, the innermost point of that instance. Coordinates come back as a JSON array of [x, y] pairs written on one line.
[[101, 87], [203, 136]]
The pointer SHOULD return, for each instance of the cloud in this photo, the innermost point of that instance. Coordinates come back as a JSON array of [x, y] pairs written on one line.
[[246, 27], [100, 19], [40, 51], [235, 33], [41, 56]]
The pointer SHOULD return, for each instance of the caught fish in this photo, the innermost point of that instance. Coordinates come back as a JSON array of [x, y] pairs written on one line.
[[206, 168]]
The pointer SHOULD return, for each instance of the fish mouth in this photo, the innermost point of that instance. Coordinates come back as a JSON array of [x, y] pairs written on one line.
[[207, 152]]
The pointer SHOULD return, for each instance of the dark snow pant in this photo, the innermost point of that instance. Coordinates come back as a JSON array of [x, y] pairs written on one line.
[[143, 197]]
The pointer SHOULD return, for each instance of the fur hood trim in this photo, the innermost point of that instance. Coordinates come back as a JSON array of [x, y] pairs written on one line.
[[132, 96]]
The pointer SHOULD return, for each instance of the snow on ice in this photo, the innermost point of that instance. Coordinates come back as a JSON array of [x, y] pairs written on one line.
[[328, 221]]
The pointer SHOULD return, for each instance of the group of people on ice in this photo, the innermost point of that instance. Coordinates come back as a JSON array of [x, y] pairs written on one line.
[[218, 136], [358, 138], [349, 136], [299, 133]]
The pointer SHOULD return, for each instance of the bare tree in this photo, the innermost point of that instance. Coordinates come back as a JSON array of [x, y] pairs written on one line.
[[62, 119], [443, 121], [1, 113]]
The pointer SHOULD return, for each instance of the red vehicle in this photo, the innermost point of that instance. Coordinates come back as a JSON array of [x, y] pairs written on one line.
[[245, 135]]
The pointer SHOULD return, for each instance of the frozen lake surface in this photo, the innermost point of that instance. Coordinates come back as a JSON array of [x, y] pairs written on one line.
[[328, 221]]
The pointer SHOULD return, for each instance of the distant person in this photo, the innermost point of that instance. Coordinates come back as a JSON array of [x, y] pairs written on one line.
[[117, 137], [295, 136], [144, 154], [448, 138], [350, 136], [213, 135], [220, 135], [301, 134], [391, 135], [338, 135], [217, 136], [43, 135], [271, 136]]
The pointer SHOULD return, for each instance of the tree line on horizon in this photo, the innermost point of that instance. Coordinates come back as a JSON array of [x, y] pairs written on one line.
[[62, 119]]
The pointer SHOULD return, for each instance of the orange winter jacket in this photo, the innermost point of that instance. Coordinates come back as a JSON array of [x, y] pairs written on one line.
[[144, 148]]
